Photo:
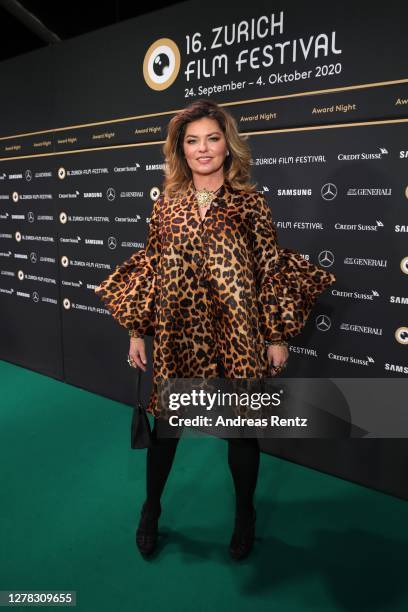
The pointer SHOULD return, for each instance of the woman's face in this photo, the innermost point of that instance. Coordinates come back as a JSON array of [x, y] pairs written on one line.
[[204, 146]]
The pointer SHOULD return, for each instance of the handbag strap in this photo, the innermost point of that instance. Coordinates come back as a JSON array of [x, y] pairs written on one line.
[[138, 381]]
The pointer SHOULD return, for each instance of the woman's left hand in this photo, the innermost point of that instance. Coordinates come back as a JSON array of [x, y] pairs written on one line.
[[277, 356]]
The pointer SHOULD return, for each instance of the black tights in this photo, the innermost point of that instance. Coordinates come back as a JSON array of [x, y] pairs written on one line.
[[243, 461]]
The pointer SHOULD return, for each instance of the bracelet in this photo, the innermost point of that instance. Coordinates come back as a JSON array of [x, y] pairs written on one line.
[[276, 343], [135, 334]]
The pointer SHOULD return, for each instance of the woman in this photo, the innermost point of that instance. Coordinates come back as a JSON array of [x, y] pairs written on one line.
[[215, 290]]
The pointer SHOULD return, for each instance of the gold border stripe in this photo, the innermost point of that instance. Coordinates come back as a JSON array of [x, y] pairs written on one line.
[[258, 133], [172, 112]]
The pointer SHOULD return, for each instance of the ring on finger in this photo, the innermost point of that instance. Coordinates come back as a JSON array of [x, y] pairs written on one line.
[[131, 361], [278, 368]]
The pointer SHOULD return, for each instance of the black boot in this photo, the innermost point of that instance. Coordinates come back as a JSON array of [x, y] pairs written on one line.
[[147, 531], [243, 537]]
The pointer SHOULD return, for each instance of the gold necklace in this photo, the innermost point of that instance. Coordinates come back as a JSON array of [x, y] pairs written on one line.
[[204, 197]]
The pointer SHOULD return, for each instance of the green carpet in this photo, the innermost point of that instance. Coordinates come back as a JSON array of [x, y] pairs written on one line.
[[71, 491]]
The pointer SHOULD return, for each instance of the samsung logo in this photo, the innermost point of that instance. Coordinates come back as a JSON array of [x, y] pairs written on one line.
[[396, 299], [392, 367], [155, 166], [294, 192]]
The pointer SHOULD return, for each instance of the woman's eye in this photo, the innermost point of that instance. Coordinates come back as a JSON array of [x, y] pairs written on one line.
[[215, 138]]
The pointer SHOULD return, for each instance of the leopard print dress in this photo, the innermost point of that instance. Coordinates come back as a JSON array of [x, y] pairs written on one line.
[[212, 288]]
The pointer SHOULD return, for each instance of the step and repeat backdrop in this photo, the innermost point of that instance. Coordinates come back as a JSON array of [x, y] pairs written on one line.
[[325, 111]]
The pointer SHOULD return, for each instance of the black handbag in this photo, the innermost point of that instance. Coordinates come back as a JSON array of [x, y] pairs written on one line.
[[141, 434]]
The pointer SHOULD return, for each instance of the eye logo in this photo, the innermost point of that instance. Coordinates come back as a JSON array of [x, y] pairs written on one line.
[[401, 335], [161, 64], [154, 193]]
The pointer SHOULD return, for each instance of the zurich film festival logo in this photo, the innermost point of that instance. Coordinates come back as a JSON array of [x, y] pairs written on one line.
[[401, 335], [161, 64]]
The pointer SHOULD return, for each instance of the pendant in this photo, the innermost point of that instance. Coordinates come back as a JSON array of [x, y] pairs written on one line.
[[204, 197]]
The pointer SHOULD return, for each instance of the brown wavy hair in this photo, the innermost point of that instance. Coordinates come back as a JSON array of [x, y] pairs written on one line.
[[237, 163]]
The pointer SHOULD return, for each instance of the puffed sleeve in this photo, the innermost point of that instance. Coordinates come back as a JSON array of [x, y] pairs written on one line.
[[130, 292], [287, 284]]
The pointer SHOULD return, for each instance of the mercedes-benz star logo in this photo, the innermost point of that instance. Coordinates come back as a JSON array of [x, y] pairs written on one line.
[[112, 242], [111, 194], [326, 259], [323, 323], [329, 191]]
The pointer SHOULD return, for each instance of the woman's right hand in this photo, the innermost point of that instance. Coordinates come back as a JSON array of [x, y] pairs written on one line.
[[137, 351]]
